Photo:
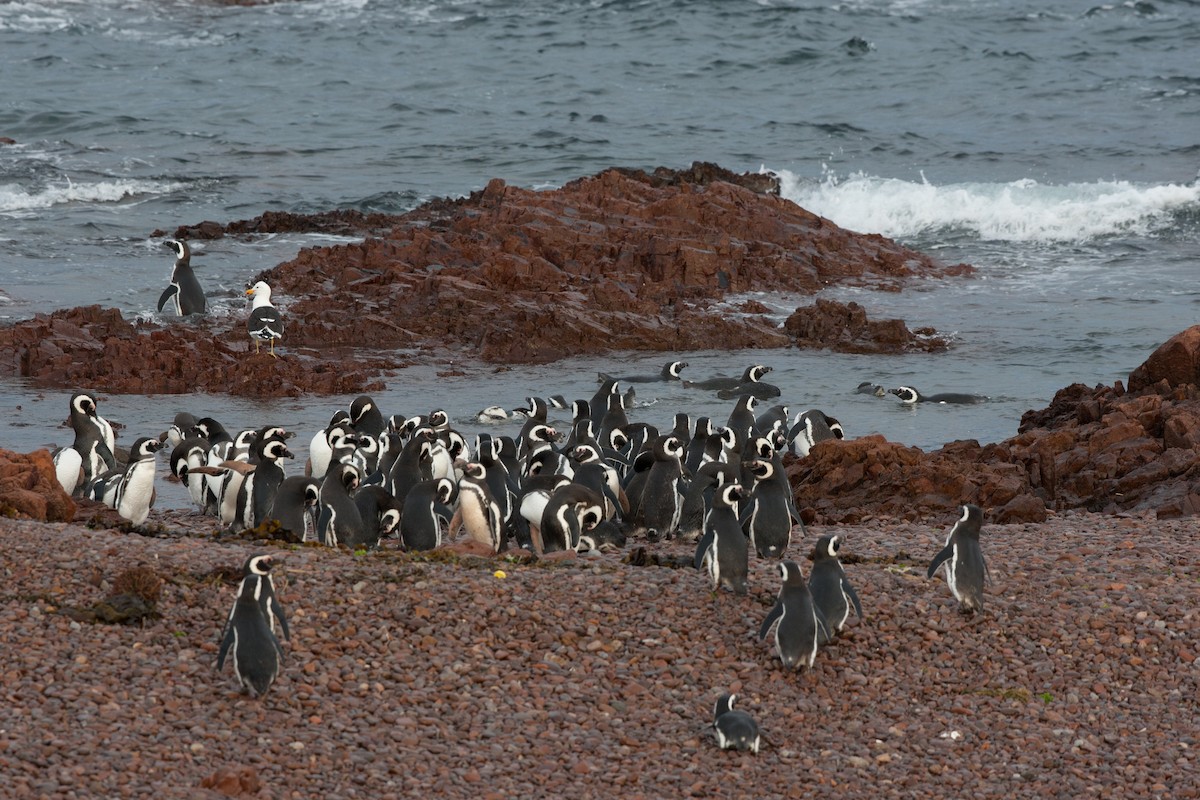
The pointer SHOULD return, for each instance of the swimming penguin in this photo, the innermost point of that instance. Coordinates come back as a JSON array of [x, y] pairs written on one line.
[[771, 510], [669, 372], [750, 375], [800, 625], [735, 730], [130, 491], [338, 518], [866, 387], [295, 507], [910, 395], [661, 499], [477, 509], [265, 323], [426, 513], [248, 638], [184, 288], [257, 568], [723, 547], [810, 427], [492, 415], [831, 591], [962, 557]]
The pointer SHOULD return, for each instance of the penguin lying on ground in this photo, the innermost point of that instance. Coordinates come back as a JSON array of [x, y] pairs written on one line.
[[735, 730]]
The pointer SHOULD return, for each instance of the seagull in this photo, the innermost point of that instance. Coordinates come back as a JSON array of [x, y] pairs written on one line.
[[265, 323]]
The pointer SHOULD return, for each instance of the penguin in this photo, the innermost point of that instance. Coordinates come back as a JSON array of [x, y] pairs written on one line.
[[181, 428], [320, 452], [741, 420], [131, 491], [800, 625], [380, 514], [751, 374], [771, 510], [699, 440], [184, 289], [426, 512], [256, 493], [810, 427], [257, 568], [295, 507], [338, 519], [492, 415], [697, 499], [962, 557], [723, 547], [265, 323], [735, 730], [571, 509], [760, 389], [661, 500], [68, 468], [477, 509], [670, 372], [366, 417], [412, 465], [866, 387], [614, 418], [248, 638], [531, 502], [94, 442], [831, 591], [910, 396]]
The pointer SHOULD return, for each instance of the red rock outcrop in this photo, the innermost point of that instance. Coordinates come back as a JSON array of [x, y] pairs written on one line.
[[29, 488], [844, 328]]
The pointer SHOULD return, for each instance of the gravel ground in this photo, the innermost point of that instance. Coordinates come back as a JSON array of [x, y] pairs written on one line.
[[594, 678]]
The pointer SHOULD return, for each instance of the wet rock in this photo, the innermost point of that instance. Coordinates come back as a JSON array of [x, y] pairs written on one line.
[[844, 328], [1176, 361], [30, 489]]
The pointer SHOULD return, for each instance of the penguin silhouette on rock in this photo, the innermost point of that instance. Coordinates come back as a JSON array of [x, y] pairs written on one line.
[[798, 623], [962, 560]]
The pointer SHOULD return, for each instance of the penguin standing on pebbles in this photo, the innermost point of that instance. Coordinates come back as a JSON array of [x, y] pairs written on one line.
[[735, 730], [799, 628], [265, 323], [962, 558], [249, 639], [184, 289], [724, 547], [831, 591]]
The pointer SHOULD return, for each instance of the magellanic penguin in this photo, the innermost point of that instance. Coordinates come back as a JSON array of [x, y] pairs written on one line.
[[184, 288], [866, 387], [751, 374], [256, 493], [426, 512], [570, 510], [265, 323], [295, 507], [909, 395], [478, 511], [366, 417], [962, 556], [771, 511], [257, 569], [735, 730], [661, 498], [670, 372], [723, 547], [94, 442], [810, 427], [831, 590], [130, 491], [800, 625], [249, 639], [338, 517]]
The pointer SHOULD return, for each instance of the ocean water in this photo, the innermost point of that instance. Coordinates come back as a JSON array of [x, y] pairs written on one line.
[[1053, 146]]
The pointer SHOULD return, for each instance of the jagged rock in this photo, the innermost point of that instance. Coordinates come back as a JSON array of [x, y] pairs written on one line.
[[845, 328], [29, 488], [1176, 361]]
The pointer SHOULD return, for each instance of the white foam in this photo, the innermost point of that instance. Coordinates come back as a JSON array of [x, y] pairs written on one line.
[[14, 198], [1020, 211]]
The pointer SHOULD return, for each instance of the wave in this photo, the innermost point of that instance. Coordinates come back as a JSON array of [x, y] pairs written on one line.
[[1020, 211], [14, 198]]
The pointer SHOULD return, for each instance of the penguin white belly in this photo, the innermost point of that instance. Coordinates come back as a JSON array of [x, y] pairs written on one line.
[[138, 495], [68, 468], [229, 497], [476, 520]]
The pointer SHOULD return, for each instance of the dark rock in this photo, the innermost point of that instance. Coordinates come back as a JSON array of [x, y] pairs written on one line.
[[845, 328]]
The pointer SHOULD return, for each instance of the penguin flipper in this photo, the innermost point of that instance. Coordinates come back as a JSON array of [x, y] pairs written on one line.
[[167, 294], [945, 555], [277, 610], [702, 548], [226, 642], [853, 595], [775, 613]]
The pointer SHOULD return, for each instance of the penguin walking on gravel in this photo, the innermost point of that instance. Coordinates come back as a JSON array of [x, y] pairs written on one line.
[[771, 511], [962, 559], [249, 639], [130, 491], [184, 289], [735, 730], [798, 623], [257, 569], [265, 323], [831, 590], [723, 547]]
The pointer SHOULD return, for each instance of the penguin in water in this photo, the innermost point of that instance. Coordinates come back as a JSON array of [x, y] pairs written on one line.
[[249, 639], [723, 548], [265, 323], [911, 396], [751, 374], [131, 491], [962, 558], [735, 730], [799, 624], [866, 387], [670, 372], [426, 511], [184, 289], [831, 591]]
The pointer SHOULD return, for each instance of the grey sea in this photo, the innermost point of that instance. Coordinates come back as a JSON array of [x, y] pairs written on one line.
[[1055, 146]]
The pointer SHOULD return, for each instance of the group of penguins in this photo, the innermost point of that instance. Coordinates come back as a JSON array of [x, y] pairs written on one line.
[[371, 477]]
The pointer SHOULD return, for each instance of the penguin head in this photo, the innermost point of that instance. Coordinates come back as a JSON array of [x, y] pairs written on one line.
[[445, 490], [676, 367], [258, 565], [144, 448], [970, 520], [755, 373], [471, 469], [180, 248], [361, 406], [906, 394], [585, 454], [724, 704], [731, 493], [492, 414], [790, 572], [438, 419], [835, 427], [274, 449], [84, 403], [617, 439], [760, 469], [826, 547]]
